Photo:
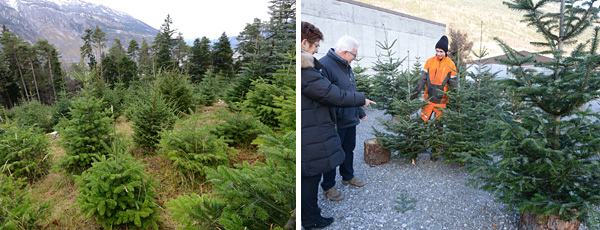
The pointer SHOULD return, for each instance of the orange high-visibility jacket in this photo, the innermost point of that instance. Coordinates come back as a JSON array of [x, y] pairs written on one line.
[[437, 75]]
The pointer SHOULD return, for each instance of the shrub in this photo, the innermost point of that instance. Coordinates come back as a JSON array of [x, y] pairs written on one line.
[[192, 148], [23, 152], [33, 114], [177, 89], [260, 100], [116, 191], [150, 114], [211, 88], [17, 209], [84, 134], [246, 197], [238, 129]]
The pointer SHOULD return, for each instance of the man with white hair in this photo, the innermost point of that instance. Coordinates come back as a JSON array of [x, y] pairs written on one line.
[[336, 67]]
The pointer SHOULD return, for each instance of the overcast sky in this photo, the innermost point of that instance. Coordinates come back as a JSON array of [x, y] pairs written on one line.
[[194, 18]]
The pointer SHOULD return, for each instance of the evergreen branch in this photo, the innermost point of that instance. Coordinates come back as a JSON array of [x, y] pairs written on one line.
[[582, 20], [512, 52]]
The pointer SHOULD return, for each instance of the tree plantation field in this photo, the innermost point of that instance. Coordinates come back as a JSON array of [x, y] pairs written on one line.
[[151, 136], [62, 192]]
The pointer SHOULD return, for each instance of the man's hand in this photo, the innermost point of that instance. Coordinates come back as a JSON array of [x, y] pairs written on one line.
[[368, 102], [364, 118], [412, 97]]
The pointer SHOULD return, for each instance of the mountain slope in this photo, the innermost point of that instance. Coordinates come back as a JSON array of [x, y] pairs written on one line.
[[63, 23], [467, 16]]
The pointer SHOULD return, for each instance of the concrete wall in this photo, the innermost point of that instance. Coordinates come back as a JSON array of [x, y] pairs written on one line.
[[336, 18]]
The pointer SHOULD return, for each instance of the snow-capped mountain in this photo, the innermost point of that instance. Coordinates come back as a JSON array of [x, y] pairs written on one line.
[[63, 22]]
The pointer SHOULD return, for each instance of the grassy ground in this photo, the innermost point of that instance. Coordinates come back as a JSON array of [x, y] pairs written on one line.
[[62, 191]]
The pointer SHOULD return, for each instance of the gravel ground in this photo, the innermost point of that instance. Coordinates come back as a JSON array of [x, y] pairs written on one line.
[[443, 201]]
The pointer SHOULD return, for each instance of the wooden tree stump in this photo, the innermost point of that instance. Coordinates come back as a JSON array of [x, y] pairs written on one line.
[[375, 154], [530, 221]]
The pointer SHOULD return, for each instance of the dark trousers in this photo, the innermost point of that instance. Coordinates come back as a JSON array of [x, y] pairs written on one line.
[[311, 212], [348, 139]]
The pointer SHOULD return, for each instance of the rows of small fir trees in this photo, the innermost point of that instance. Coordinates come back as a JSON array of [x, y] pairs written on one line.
[[526, 139], [164, 104]]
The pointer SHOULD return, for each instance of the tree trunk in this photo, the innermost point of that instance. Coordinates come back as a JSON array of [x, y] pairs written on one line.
[[530, 221], [375, 154], [51, 75], [35, 80], [22, 79]]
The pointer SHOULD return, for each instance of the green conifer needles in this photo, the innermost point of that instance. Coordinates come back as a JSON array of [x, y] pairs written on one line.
[[116, 191]]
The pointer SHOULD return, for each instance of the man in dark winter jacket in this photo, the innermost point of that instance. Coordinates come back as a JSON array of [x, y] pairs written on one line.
[[336, 67]]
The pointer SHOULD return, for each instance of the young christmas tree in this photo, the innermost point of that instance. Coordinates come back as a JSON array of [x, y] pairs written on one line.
[[259, 196], [23, 152], [466, 117], [547, 154], [364, 82], [150, 114], [117, 191], [84, 133], [387, 84], [406, 133]]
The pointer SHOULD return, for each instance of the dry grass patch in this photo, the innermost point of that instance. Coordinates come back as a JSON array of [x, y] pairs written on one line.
[[61, 191]]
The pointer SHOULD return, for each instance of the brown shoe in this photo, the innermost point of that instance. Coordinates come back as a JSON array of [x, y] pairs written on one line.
[[333, 194], [354, 181]]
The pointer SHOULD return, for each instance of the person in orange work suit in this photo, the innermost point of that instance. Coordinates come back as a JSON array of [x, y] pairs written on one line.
[[438, 77]]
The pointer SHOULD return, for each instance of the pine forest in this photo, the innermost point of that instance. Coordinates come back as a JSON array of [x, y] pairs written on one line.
[[153, 134]]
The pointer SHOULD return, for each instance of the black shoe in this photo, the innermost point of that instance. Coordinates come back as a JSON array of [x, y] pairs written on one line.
[[321, 223]]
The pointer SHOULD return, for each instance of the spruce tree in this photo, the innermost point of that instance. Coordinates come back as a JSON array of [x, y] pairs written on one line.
[[256, 61], [117, 192], [200, 60], [547, 153], [18, 210], [176, 89], [259, 196], [133, 49], [363, 80], [471, 106], [281, 30], [406, 133], [260, 99], [386, 81], [23, 152], [85, 133], [211, 88], [163, 43], [192, 148], [222, 56], [86, 49], [150, 113], [144, 60]]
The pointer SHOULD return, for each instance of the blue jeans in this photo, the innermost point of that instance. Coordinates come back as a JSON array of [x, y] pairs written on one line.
[[348, 139]]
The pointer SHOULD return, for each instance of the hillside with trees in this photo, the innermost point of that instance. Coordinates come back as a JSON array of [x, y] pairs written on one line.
[[468, 17], [152, 133]]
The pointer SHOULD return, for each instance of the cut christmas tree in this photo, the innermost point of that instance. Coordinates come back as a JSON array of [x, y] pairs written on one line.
[[545, 149]]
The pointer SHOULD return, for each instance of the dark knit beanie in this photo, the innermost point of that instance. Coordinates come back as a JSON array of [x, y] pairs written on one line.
[[443, 44]]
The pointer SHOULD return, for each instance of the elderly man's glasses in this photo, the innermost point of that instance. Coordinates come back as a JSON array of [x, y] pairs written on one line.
[[353, 55]]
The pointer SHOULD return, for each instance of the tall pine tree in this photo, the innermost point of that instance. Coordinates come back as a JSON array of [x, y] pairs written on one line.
[[200, 60], [222, 56], [163, 43]]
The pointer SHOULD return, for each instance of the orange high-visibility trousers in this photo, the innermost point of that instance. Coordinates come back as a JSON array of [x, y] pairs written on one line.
[[432, 107]]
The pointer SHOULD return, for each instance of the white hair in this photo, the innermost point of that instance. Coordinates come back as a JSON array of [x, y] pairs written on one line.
[[346, 43]]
